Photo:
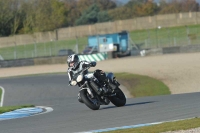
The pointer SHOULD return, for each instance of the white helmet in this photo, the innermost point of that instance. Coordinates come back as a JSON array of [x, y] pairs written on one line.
[[73, 59]]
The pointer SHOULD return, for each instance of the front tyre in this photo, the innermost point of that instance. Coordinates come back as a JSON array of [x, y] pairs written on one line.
[[119, 99], [91, 103]]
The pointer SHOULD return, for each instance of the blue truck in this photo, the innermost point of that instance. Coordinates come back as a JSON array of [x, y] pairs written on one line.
[[117, 43]]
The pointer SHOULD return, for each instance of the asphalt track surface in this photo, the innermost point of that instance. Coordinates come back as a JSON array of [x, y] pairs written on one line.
[[71, 116]]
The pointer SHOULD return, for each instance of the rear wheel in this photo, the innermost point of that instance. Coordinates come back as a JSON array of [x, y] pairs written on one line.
[[119, 99], [90, 102]]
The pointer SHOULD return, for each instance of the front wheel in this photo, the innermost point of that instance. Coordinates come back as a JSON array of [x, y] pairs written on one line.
[[90, 102], [119, 99]]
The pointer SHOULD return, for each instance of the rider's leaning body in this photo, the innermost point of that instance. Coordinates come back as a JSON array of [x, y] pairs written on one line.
[[75, 66]]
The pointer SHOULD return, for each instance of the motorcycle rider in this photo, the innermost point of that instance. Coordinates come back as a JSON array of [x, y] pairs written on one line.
[[75, 66]]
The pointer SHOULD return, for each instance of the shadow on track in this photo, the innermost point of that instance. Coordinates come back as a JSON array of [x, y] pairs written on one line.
[[130, 104]]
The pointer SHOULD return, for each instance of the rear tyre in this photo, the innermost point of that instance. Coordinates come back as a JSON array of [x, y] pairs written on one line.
[[89, 102], [118, 100]]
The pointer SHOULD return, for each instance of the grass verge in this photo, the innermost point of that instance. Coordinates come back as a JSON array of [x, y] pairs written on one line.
[[0, 93], [164, 127], [12, 108], [140, 86]]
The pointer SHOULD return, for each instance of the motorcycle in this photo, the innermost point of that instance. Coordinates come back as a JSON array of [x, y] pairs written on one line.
[[92, 95]]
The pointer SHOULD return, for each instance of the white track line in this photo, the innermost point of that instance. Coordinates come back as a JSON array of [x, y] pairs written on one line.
[[133, 126], [2, 96]]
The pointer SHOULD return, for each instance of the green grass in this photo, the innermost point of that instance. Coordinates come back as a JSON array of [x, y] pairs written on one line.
[[168, 126], [140, 86], [167, 36], [0, 93], [12, 108], [150, 38], [41, 49]]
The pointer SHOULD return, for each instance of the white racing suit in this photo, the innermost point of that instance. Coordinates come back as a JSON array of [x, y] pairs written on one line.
[[99, 74], [81, 65]]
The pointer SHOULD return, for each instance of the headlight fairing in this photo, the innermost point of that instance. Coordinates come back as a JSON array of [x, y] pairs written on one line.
[[79, 78], [73, 83]]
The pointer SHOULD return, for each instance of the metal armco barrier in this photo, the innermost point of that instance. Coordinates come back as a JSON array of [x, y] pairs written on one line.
[[16, 63]]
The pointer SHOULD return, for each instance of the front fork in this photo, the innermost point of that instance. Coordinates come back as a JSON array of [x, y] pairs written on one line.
[[89, 92], [86, 86]]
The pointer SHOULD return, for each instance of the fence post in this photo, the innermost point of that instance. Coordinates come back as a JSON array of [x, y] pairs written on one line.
[[15, 52], [35, 48], [188, 32], [146, 43], [55, 46], [25, 56], [76, 47], [156, 37], [50, 51], [174, 41], [45, 50]]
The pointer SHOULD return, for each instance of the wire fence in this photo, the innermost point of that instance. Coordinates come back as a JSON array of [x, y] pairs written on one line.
[[144, 39], [44, 49], [167, 37]]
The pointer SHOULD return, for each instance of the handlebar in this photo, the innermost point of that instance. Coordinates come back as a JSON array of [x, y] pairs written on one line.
[[76, 75]]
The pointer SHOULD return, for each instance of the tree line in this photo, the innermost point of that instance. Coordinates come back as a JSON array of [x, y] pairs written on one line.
[[28, 16]]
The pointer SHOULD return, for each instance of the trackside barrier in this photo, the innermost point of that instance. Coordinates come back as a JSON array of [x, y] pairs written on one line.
[[94, 57], [50, 60]]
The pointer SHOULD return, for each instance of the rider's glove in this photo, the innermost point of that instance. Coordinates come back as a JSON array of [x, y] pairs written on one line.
[[93, 64]]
